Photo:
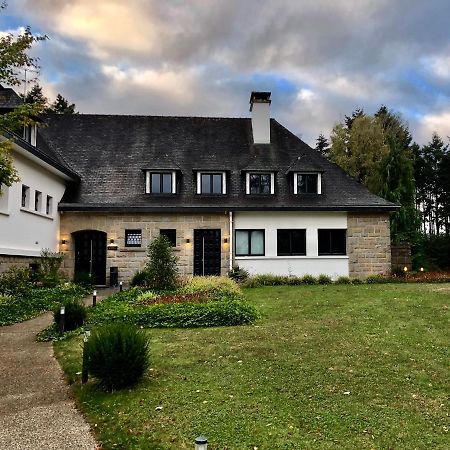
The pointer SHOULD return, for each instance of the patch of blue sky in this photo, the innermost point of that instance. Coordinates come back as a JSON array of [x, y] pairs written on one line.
[[274, 82], [419, 82]]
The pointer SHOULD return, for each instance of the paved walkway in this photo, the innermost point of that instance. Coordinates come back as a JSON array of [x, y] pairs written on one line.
[[36, 411]]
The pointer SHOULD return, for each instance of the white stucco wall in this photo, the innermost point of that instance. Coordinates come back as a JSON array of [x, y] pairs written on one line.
[[312, 264], [23, 231]]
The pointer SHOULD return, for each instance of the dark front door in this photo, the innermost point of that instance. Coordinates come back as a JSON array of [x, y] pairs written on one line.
[[90, 255], [206, 252]]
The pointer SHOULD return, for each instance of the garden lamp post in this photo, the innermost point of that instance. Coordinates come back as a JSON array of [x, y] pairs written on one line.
[[121, 286], [201, 443], [62, 319], [94, 297]]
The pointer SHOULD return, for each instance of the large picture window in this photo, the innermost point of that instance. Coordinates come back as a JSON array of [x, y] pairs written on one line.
[[291, 242], [307, 183], [332, 242], [249, 242], [260, 183]]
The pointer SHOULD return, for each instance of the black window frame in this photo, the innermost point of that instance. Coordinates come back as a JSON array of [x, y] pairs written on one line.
[[316, 175], [211, 184], [161, 182], [259, 175], [171, 234], [291, 232], [249, 245], [332, 245], [49, 205], [134, 231]]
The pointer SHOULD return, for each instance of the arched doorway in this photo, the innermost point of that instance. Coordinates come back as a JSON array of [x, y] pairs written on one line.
[[90, 254]]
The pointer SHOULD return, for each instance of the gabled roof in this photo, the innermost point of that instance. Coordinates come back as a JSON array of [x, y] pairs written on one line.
[[9, 99], [110, 152]]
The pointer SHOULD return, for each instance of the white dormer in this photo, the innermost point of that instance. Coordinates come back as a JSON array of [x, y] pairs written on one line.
[[160, 182], [257, 183], [260, 109], [211, 182]]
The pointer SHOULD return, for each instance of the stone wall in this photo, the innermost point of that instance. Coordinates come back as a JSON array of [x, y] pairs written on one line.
[[129, 259], [8, 261], [369, 244], [401, 256]]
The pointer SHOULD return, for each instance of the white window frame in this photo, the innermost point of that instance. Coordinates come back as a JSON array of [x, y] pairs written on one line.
[[38, 201], [319, 181], [148, 181], [206, 172], [262, 172]]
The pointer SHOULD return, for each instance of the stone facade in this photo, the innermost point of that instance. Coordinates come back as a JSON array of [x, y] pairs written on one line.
[[369, 244], [8, 261], [130, 259]]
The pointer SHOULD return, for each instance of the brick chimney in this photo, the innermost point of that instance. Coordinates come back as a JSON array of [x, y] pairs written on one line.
[[260, 109]]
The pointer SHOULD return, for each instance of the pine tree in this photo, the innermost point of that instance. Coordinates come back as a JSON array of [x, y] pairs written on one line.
[[322, 145], [61, 106], [36, 96]]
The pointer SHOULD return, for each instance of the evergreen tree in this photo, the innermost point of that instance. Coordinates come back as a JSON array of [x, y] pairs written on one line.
[[36, 96], [61, 106], [444, 183], [322, 145]]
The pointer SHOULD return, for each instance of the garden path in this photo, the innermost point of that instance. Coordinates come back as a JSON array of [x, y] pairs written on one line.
[[36, 410]]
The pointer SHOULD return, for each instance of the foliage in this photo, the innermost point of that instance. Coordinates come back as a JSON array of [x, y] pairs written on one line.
[[38, 300], [323, 145], [343, 280], [61, 106], [139, 278], [347, 367], [117, 355], [35, 96], [238, 274], [432, 252], [324, 279], [161, 269], [14, 58], [146, 296], [309, 279], [83, 279], [74, 316], [15, 282], [216, 287], [49, 268]]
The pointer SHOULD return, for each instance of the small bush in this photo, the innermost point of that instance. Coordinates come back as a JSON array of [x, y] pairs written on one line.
[[15, 282], [324, 279], [356, 281], [215, 287], [74, 317], [376, 278], [83, 279], [140, 278], [146, 296], [238, 274], [309, 279], [117, 355], [49, 268], [343, 280]]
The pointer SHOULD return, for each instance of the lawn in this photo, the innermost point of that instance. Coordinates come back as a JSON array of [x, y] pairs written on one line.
[[348, 367]]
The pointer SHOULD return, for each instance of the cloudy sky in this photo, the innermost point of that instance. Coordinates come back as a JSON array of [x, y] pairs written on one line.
[[321, 58]]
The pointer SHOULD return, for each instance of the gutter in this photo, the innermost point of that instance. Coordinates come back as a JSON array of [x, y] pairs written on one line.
[[231, 240]]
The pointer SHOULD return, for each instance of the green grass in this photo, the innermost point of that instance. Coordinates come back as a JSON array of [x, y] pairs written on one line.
[[348, 367]]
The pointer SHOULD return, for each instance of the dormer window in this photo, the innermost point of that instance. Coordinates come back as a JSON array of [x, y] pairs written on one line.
[[30, 134], [160, 182], [307, 183], [259, 183], [211, 183]]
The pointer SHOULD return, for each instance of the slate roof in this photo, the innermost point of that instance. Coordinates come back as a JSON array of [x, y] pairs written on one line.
[[111, 153], [9, 99]]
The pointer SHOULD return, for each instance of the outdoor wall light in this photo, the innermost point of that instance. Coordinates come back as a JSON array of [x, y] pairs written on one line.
[[63, 241], [201, 443], [225, 241], [111, 241], [188, 241], [421, 269], [405, 269]]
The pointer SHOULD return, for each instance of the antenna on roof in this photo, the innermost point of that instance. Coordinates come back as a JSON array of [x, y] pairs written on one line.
[[26, 82]]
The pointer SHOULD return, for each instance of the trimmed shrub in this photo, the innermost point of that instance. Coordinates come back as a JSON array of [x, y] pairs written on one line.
[[238, 274], [15, 282], [343, 280], [324, 279], [309, 279], [139, 278], [117, 355], [74, 317], [215, 287], [357, 281], [146, 296], [375, 278], [49, 268]]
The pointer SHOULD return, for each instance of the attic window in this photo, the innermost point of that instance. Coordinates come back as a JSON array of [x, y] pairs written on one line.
[[307, 183], [211, 183], [259, 183], [160, 182]]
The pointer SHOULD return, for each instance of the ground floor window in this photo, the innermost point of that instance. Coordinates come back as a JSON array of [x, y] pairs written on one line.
[[249, 242], [133, 238], [170, 234], [332, 242], [291, 242]]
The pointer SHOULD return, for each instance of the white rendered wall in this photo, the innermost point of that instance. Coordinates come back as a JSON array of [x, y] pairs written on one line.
[[311, 264], [261, 122], [23, 231]]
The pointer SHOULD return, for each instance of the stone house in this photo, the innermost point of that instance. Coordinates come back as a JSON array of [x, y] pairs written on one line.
[[226, 191]]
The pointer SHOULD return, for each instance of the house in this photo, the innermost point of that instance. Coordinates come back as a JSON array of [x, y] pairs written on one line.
[[29, 217], [225, 191]]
